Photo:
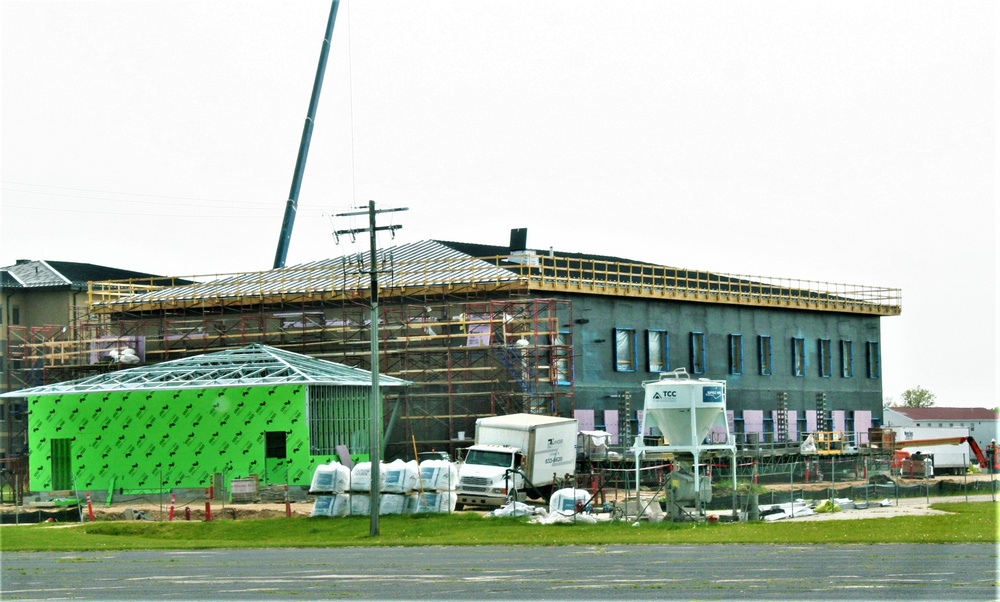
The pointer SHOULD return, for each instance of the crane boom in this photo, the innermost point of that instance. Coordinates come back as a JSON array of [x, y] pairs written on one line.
[[291, 206]]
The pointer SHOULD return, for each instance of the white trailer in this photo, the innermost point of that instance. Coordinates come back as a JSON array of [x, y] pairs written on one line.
[[946, 446]]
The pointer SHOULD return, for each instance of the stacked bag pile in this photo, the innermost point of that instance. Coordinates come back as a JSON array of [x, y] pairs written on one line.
[[333, 482], [404, 488], [438, 479]]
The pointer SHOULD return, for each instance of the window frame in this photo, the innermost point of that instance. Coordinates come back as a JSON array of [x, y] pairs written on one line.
[[873, 359], [736, 353], [846, 358], [766, 368], [825, 359], [660, 333], [698, 360], [562, 356], [627, 364], [798, 356]]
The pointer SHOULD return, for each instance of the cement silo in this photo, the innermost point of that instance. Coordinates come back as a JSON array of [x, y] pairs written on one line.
[[684, 411]]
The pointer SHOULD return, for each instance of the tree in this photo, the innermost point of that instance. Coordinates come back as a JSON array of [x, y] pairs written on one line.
[[888, 401], [918, 397]]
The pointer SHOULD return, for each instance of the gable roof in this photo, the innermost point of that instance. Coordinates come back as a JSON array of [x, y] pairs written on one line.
[[43, 273], [947, 413], [253, 365], [346, 276]]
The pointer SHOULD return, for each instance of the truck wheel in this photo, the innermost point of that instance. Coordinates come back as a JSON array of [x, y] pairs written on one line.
[[545, 494], [458, 507]]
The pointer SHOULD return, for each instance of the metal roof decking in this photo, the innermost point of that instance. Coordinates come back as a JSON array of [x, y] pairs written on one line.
[[436, 268], [418, 268], [253, 365]]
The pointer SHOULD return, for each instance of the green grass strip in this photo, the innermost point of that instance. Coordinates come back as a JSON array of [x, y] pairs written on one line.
[[965, 523]]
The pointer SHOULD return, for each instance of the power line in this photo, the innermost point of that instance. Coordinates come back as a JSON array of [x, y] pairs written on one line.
[[155, 196], [234, 215]]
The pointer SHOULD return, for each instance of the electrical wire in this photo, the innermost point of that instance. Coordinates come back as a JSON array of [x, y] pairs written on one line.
[[135, 194]]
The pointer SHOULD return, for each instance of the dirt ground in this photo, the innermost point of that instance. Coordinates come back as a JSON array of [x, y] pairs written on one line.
[[220, 511], [156, 510]]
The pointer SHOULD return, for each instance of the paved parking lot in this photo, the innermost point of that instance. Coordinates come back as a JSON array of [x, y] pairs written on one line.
[[870, 572]]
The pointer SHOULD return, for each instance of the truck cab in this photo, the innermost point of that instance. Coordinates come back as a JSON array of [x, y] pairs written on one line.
[[487, 475]]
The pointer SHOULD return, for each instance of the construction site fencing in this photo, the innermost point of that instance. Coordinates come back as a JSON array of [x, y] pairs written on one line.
[[858, 478]]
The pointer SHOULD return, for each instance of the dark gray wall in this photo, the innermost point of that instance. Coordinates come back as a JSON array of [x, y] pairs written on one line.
[[596, 380]]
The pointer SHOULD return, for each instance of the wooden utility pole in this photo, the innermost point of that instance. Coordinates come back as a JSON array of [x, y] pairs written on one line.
[[375, 403]]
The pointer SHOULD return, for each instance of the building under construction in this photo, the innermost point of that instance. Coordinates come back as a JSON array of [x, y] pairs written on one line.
[[482, 330]]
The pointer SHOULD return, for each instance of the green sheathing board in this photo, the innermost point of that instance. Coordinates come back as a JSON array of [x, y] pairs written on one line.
[[149, 441]]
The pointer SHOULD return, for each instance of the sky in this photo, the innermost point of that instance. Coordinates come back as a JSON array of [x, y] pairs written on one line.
[[844, 142]]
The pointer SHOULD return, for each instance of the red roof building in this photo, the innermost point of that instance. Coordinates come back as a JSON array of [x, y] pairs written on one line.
[[983, 424]]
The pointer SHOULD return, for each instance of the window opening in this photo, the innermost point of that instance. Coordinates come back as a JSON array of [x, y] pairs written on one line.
[[697, 352], [657, 346], [736, 354], [625, 349], [798, 356], [874, 360], [764, 354], [275, 444], [825, 358], [846, 359], [561, 358]]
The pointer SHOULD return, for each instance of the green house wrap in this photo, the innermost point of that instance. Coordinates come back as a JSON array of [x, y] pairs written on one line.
[[252, 411]]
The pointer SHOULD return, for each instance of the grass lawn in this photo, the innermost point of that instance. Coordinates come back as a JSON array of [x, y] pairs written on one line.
[[969, 522]]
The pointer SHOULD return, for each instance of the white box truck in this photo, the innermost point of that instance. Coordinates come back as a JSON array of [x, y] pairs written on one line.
[[522, 452]]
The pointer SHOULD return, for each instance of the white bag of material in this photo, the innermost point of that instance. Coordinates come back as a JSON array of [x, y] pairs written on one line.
[[399, 477], [361, 476], [564, 501], [436, 502], [410, 503], [361, 504], [426, 502], [391, 503], [341, 505], [333, 478], [563, 519], [342, 478], [518, 509], [322, 505], [322, 480], [438, 475]]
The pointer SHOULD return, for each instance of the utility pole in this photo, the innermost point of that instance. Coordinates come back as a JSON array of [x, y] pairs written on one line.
[[375, 401]]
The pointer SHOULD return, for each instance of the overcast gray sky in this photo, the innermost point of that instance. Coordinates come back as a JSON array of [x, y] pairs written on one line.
[[849, 142]]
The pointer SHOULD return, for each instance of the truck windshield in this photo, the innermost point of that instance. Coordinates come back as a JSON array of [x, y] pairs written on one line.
[[488, 458]]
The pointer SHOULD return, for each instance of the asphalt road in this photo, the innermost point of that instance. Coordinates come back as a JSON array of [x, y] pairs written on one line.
[[708, 572]]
